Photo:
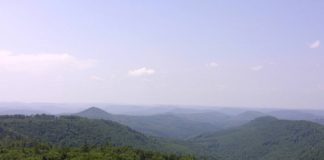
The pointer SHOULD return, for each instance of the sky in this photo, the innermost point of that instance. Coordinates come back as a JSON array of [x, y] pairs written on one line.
[[217, 53]]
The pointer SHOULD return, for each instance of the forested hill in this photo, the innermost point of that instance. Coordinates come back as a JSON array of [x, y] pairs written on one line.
[[49, 137], [160, 125], [95, 113], [72, 131], [265, 138]]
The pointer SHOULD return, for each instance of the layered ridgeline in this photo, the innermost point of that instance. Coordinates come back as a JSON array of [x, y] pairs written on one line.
[[265, 138], [161, 125], [176, 126], [72, 131], [240, 137], [187, 125]]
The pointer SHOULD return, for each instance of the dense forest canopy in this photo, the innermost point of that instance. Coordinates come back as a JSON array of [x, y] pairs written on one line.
[[46, 137], [71, 137]]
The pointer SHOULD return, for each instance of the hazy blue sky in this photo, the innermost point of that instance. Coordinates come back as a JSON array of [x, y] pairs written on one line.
[[233, 53]]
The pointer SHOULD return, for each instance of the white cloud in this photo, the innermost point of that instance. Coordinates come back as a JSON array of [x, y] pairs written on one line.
[[212, 64], [38, 63], [315, 44], [257, 68], [96, 78], [141, 72]]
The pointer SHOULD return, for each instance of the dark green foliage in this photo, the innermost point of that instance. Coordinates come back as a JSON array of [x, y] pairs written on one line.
[[265, 138], [47, 152], [67, 137], [71, 131]]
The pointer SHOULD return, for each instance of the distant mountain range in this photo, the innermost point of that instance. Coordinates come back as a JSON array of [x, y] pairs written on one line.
[[223, 134], [188, 125], [161, 125]]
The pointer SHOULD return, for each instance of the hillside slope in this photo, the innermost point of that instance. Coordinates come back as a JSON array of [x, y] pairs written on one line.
[[72, 131], [161, 125], [265, 138]]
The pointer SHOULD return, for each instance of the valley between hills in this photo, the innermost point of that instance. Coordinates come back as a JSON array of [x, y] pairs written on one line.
[[94, 133]]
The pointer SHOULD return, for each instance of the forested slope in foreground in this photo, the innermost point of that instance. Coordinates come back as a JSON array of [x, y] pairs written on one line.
[[45, 137], [71, 131], [47, 152], [68, 137]]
